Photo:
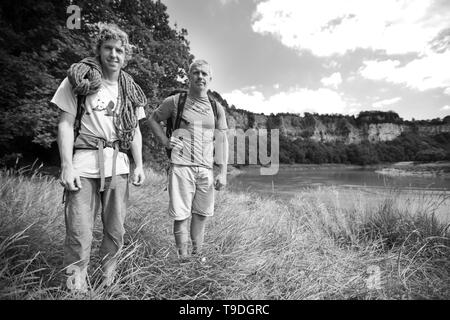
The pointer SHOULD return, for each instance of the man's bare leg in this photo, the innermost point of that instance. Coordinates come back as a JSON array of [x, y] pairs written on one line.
[[198, 224], [180, 231]]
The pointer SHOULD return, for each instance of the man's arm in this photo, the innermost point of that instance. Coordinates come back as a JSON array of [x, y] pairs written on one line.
[[224, 165], [158, 131], [69, 178], [222, 152], [136, 151], [222, 161]]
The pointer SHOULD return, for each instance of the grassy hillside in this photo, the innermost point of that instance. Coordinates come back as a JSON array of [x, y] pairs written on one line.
[[256, 248]]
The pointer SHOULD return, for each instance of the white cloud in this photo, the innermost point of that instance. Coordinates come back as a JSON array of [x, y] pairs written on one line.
[[445, 108], [328, 27], [295, 101], [447, 91], [353, 111], [378, 70], [379, 105], [332, 81], [428, 72]]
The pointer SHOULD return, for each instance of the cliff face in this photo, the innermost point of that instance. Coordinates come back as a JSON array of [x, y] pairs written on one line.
[[333, 128], [371, 126]]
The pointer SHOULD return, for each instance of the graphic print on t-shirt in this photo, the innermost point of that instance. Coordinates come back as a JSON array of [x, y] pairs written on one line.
[[104, 103]]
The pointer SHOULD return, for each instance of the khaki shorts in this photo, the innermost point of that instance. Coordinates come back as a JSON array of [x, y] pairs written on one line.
[[191, 190]]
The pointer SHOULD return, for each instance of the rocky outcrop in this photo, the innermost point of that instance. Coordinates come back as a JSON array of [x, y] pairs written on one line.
[[383, 131], [334, 128], [371, 126]]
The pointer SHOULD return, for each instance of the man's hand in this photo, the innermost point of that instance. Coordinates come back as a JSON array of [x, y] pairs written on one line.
[[138, 176], [174, 143], [69, 179], [220, 181]]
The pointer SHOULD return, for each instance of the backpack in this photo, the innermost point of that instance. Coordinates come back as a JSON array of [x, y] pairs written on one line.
[[171, 127]]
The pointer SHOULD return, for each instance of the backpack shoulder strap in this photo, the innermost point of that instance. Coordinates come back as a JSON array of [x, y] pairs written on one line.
[[81, 101], [214, 106], [180, 109], [171, 127]]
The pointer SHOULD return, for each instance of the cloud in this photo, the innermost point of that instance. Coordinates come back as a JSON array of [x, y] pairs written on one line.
[[295, 101], [225, 2], [353, 111], [447, 91], [332, 64], [425, 73], [332, 81], [445, 108], [328, 27], [249, 89], [379, 105]]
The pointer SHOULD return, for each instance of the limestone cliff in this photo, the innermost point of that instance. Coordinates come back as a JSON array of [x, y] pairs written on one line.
[[371, 126]]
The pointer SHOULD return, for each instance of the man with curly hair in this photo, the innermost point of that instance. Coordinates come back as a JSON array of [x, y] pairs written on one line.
[[100, 109]]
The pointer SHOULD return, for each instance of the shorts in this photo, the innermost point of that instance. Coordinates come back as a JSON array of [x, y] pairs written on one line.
[[191, 190]]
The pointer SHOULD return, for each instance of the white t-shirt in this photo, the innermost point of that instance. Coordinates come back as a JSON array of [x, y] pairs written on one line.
[[97, 121]]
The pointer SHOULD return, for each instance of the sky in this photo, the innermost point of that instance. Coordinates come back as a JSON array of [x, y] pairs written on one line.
[[323, 56]]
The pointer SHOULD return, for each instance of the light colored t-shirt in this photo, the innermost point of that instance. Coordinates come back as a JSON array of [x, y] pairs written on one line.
[[97, 121], [196, 129]]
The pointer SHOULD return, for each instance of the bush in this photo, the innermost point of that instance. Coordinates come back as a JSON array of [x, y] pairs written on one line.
[[430, 155]]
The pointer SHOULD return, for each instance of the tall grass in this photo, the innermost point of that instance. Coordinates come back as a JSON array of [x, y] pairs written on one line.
[[310, 247]]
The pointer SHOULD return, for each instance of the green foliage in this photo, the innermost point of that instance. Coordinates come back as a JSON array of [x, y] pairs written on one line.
[[431, 154], [251, 120], [38, 48], [407, 147], [274, 121], [378, 117]]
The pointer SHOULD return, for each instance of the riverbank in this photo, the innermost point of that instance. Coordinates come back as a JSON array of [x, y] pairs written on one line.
[[257, 247], [434, 169]]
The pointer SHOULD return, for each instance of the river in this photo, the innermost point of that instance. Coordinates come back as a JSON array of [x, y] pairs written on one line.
[[293, 179]]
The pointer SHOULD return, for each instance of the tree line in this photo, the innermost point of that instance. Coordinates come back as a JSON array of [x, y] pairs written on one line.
[[406, 147]]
